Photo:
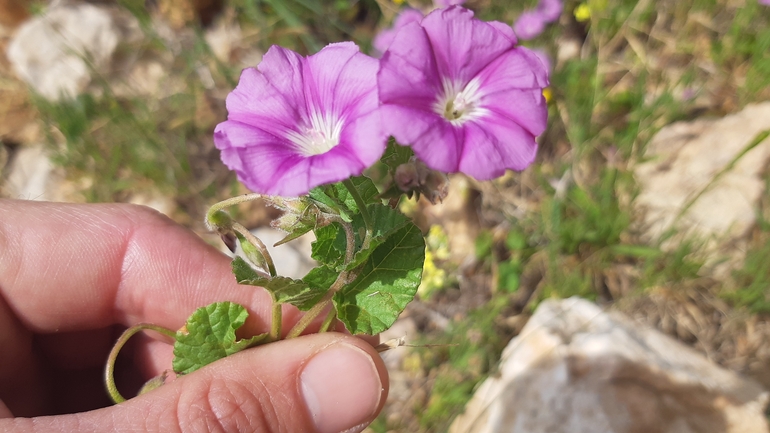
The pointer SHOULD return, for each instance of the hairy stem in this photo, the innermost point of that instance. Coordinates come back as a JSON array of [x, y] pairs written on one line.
[[364, 212], [210, 218], [275, 327], [303, 323], [109, 371], [350, 237]]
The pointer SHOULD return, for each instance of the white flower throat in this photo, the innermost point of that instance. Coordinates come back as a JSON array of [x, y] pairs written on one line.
[[321, 136], [458, 104]]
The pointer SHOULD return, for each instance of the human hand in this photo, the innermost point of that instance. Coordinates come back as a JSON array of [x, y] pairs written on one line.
[[72, 276]]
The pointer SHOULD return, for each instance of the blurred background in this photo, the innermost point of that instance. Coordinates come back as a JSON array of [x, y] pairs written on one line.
[[116, 101]]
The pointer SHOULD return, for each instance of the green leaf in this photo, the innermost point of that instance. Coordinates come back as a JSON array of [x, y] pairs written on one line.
[[386, 282], [321, 277], [337, 199], [387, 222], [243, 271], [365, 187], [330, 244], [284, 290], [326, 248], [395, 155], [328, 203], [210, 335]]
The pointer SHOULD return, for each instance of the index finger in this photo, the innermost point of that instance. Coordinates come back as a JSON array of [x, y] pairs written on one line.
[[69, 267]]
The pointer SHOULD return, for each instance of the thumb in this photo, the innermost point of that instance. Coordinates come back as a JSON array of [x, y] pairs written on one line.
[[324, 383]]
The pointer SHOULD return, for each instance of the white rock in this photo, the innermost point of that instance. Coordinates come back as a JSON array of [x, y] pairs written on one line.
[[56, 51], [575, 368], [31, 174], [685, 162]]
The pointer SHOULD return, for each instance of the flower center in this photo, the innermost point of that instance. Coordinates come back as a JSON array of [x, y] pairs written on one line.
[[321, 136], [459, 104]]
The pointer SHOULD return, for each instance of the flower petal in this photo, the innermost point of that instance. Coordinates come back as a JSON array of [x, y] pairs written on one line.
[[267, 164], [275, 109], [385, 37], [338, 76], [512, 86], [463, 45], [529, 25], [408, 73], [434, 140], [494, 145], [365, 138]]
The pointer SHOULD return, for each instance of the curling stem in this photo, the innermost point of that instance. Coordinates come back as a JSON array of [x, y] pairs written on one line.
[[109, 371], [227, 203]]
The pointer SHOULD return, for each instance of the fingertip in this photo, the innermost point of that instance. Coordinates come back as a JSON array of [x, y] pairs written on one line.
[[349, 400]]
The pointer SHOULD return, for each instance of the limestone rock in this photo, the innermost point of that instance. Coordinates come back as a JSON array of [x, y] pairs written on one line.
[[575, 368], [31, 174], [56, 52], [688, 183]]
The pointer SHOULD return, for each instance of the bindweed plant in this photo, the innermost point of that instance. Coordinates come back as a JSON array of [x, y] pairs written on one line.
[[450, 94]]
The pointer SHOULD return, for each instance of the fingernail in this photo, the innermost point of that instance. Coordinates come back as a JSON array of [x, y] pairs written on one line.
[[342, 389]]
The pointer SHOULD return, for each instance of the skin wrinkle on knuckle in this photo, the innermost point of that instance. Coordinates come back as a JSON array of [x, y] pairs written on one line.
[[225, 405]]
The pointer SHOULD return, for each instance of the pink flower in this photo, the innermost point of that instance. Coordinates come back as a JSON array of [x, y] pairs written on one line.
[[462, 94], [447, 3], [764, 2], [550, 10], [383, 40], [295, 123], [529, 25]]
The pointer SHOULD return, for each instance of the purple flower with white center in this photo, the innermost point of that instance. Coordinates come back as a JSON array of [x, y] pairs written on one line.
[[462, 94], [383, 40], [529, 25], [298, 122]]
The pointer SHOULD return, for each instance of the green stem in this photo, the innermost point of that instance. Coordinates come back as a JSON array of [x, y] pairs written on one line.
[[303, 323], [109, 371], [275, 327], [210, 218], [330, 316], [364, 212]]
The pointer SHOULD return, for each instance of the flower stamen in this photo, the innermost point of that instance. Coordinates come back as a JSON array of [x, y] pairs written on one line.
[[458, 104], [321, 136]]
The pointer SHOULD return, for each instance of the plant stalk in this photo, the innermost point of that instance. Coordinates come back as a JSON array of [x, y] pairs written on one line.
[[328, 321], [109, 371], [225, 204], [275, 327]]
